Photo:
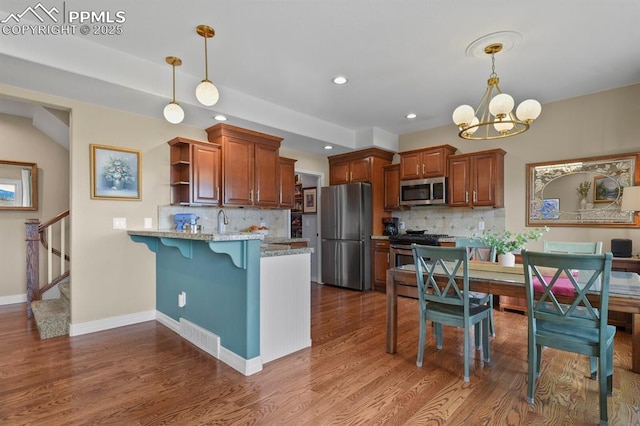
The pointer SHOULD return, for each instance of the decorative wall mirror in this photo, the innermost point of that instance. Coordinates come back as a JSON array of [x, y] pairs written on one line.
[[18, 185], [582, 192]]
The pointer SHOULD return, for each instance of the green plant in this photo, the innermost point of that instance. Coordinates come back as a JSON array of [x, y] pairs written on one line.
[[507, 241], [583, 189]]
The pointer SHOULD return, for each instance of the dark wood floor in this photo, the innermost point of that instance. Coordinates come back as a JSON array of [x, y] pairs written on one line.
[[146, 375]]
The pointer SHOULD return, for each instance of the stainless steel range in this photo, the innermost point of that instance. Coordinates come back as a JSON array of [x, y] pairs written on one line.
[[400, 245]]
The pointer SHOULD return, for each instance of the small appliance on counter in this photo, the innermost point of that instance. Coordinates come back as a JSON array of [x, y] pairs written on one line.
[[390, 226], [621, 247], [187, 222]]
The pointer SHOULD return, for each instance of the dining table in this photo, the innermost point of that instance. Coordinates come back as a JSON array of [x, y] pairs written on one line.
[[624, 295]]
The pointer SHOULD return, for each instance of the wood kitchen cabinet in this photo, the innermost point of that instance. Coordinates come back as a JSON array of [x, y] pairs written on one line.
[[363, 166], [425, 163], [287, 183], [477, 179], [392, 187], [195, 175], [250, 166], [380, 262]]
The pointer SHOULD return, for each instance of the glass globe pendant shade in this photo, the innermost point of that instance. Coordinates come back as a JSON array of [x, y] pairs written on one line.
[[528, 110], [207, 93], [503, 127], [463, 115], [173, 113], [501, 105]]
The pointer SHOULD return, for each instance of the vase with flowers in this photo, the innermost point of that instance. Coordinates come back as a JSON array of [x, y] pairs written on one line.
[[507, 242], [583, 191]]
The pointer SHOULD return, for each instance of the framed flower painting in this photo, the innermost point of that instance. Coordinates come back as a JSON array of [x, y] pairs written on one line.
[[115, 173]]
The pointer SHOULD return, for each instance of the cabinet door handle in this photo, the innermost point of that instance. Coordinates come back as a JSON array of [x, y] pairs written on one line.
[[257, 196], [251, 195], [218, 193], [350, 176], [417, 169], [466, 196], [423, 168], [475, 196]]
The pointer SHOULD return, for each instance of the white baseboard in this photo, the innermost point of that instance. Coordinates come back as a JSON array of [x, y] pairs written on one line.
[[233, 360], [109, 323], [11, 300]]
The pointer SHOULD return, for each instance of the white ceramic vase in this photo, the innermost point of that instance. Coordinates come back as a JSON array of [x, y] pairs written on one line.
[[507, 259]]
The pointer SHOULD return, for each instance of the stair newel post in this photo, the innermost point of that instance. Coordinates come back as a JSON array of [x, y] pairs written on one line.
[[33, 263]]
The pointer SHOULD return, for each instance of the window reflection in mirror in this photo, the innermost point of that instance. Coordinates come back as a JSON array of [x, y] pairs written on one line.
[[581, 192], [18, 185]]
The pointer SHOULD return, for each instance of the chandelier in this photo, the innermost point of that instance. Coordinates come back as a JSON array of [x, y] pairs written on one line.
[[493, 118]]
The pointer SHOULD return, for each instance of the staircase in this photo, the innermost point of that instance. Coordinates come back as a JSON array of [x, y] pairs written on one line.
[[53, 315]]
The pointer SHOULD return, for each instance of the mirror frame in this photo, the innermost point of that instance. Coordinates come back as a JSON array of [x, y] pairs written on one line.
[[34, 184], [539, 175]]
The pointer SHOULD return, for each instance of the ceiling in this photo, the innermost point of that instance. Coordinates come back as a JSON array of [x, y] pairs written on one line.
[[273, 60]]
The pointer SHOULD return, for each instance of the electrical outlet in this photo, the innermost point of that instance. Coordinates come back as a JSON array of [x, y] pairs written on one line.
[[401, 225], [119, 223], [182, 299], [148, 223], [481, 226]]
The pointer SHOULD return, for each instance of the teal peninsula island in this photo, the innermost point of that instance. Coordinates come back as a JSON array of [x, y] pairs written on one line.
[[241, 299]]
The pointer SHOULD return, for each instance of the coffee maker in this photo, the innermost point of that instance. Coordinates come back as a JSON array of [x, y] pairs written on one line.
[[390, 226]]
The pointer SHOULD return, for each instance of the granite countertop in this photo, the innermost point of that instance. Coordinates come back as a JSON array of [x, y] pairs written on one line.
[[201, 236], [269, 247]]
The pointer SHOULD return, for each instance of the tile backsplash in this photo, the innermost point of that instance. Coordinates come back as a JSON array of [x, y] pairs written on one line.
[[457, 222], [239, 218]]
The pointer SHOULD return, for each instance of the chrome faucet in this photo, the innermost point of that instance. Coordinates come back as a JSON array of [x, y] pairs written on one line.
[[225, 221]]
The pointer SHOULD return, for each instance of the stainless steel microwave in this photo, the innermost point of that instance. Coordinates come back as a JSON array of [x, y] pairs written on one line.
[[423, 192]]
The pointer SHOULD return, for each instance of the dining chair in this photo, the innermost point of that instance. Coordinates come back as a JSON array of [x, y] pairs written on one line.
[[576, 247], [478, 249], [574, 325], [444, 298]]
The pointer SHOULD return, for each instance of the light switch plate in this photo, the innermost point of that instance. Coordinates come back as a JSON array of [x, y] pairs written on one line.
[[119, 223]]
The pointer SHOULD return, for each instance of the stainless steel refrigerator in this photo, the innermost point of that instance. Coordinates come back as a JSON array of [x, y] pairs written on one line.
[[346, 235]]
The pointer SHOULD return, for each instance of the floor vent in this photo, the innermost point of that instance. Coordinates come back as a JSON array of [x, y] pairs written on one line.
[[204, 339]]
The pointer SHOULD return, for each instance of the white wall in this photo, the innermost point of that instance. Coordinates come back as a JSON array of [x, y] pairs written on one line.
[[593, 125]]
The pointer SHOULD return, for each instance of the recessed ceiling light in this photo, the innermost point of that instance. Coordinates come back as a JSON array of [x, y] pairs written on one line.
[[340, 80], [220, 117], [328, 147], [411, 116]]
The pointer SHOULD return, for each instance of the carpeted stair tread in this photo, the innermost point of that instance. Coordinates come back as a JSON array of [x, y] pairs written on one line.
[[52, 317]]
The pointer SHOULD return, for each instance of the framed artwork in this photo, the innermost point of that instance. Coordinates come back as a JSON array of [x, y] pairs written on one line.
[[309, 200], [550, 208], [115, 173], [605, 189]]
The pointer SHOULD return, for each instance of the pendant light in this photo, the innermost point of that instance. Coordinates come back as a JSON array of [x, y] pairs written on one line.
[[496, 119], [173, 112], [206, 92]]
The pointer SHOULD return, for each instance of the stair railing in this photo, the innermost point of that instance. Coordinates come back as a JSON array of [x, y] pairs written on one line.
[[44, 233]]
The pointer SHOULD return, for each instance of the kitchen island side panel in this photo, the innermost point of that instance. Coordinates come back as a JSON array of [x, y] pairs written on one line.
[[220, 296]]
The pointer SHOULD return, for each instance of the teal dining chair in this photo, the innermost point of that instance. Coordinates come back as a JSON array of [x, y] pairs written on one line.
[[444, 298], [478, 249], [576, 247], [574, 325]]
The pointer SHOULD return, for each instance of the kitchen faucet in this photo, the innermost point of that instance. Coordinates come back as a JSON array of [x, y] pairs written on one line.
[[225, 221]]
